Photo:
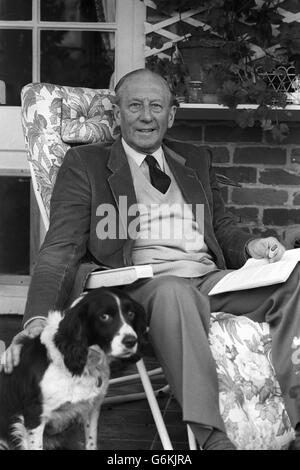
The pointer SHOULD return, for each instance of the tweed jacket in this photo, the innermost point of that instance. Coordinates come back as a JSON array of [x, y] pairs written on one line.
[[97, 174]]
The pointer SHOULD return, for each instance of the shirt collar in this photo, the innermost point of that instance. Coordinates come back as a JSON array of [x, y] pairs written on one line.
[[140, 157]]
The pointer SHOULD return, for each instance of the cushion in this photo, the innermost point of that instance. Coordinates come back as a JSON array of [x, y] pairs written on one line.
[[87, 117], [250, 398]]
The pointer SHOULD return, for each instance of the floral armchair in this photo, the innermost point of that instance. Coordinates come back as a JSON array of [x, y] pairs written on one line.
[[55, 117]]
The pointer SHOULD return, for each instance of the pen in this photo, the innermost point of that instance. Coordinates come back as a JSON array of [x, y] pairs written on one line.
[[272, 249]]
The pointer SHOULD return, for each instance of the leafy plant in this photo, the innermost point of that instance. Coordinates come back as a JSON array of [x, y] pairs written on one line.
[[174, 71], [248, 38]]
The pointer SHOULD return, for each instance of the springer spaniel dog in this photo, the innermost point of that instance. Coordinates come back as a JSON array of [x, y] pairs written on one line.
[[63, 374]]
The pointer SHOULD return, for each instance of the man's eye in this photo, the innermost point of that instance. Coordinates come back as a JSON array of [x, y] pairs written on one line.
[[130, 315], [105, 317], [156, 107], [134, 106]]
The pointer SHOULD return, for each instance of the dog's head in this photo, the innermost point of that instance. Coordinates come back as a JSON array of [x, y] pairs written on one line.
[[106, 317]]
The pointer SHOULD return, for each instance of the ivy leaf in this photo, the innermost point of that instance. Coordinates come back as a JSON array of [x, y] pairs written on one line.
[[156, 42], [266, 124], [280, 132], [231, 94], [262, 112]]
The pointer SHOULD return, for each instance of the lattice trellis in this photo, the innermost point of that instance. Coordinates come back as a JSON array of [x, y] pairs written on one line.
[[172, 38], [283, 79]]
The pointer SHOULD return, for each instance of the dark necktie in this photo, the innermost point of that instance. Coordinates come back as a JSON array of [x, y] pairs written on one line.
[[158, 178]]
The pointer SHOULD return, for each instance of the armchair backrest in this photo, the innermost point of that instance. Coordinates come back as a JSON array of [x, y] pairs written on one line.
[[56, 117]]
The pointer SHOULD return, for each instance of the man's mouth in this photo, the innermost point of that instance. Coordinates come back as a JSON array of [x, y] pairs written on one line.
[[146, 131]]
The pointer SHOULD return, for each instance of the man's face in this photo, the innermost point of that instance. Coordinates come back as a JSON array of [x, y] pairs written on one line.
[[144, 112]]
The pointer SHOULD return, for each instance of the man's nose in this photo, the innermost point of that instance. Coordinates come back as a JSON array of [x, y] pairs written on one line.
[[146, 113]]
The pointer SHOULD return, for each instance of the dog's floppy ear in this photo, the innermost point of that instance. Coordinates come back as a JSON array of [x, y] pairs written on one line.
[[71, 338]]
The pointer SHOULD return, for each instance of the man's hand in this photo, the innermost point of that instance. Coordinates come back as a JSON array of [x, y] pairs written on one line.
[[269, 248], [11, 357]]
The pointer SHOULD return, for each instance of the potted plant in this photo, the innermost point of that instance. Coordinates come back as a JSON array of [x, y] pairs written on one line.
[[240, 44]]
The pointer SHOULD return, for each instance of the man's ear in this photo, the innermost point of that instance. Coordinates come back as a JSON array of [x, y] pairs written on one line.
[[116, 111], [172, 114]]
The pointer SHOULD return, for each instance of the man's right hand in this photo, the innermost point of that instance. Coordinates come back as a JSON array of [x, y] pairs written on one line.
[[11, 357]]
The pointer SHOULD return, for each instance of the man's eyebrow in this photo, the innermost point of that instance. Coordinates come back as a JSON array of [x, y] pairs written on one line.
[[151, 100]]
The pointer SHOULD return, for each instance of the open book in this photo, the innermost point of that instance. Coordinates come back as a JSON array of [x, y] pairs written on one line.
[[118, 276], [258, 273]]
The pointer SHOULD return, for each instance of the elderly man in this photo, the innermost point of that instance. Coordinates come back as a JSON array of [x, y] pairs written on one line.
[[190, 246]]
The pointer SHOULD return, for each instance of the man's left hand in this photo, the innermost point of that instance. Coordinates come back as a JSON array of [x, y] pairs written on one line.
[[269, 248]]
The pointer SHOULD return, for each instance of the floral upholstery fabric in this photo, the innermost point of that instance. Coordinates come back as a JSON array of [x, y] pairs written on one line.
[[87, 117], [251, 404], [250, 398], [54, 117]]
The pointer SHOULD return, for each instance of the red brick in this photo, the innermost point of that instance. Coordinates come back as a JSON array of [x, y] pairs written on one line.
[[295, 155], [293, 136], [259, 196], [279, 177], [260, 155], [239, 174], [231, 132], [281, 217], [186, 131], [220, 154], [244, 214], [296, 199]]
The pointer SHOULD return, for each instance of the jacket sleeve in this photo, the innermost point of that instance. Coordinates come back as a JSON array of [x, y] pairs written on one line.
[[65, 244], [230, 237]]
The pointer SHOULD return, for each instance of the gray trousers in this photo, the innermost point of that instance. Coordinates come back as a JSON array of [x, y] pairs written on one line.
[[179, 314]]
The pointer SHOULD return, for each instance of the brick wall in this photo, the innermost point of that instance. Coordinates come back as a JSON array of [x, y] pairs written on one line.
[[268, 201]]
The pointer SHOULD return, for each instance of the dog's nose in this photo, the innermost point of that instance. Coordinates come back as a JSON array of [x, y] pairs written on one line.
[[129, 341]]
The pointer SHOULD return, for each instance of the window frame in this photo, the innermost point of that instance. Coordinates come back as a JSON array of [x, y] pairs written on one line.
[[129, 34]]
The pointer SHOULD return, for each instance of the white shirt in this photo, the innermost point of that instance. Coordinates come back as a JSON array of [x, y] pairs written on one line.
[[139, 158]]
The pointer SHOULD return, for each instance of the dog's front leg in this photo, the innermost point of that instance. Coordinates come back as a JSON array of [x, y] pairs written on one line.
[[35, 437], [91, 427]]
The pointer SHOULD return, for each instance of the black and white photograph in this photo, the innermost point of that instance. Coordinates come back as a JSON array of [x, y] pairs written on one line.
[[150, 228]]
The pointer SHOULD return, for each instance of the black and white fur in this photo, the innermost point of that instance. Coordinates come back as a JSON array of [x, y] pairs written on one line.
[[59, 378]]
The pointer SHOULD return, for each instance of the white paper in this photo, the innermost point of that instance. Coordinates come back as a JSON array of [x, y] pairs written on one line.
[[258, 273]]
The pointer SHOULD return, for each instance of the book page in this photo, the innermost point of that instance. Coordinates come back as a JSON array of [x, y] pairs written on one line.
[[258, 273]]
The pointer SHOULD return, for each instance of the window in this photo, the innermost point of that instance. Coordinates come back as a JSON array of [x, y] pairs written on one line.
[[58, 41]]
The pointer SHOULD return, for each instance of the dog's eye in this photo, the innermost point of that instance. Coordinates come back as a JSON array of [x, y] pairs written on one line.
[[130, 315], [105, 317]]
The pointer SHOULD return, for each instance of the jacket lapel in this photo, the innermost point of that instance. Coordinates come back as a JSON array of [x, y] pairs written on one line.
[[190, 185], [121, 185]]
